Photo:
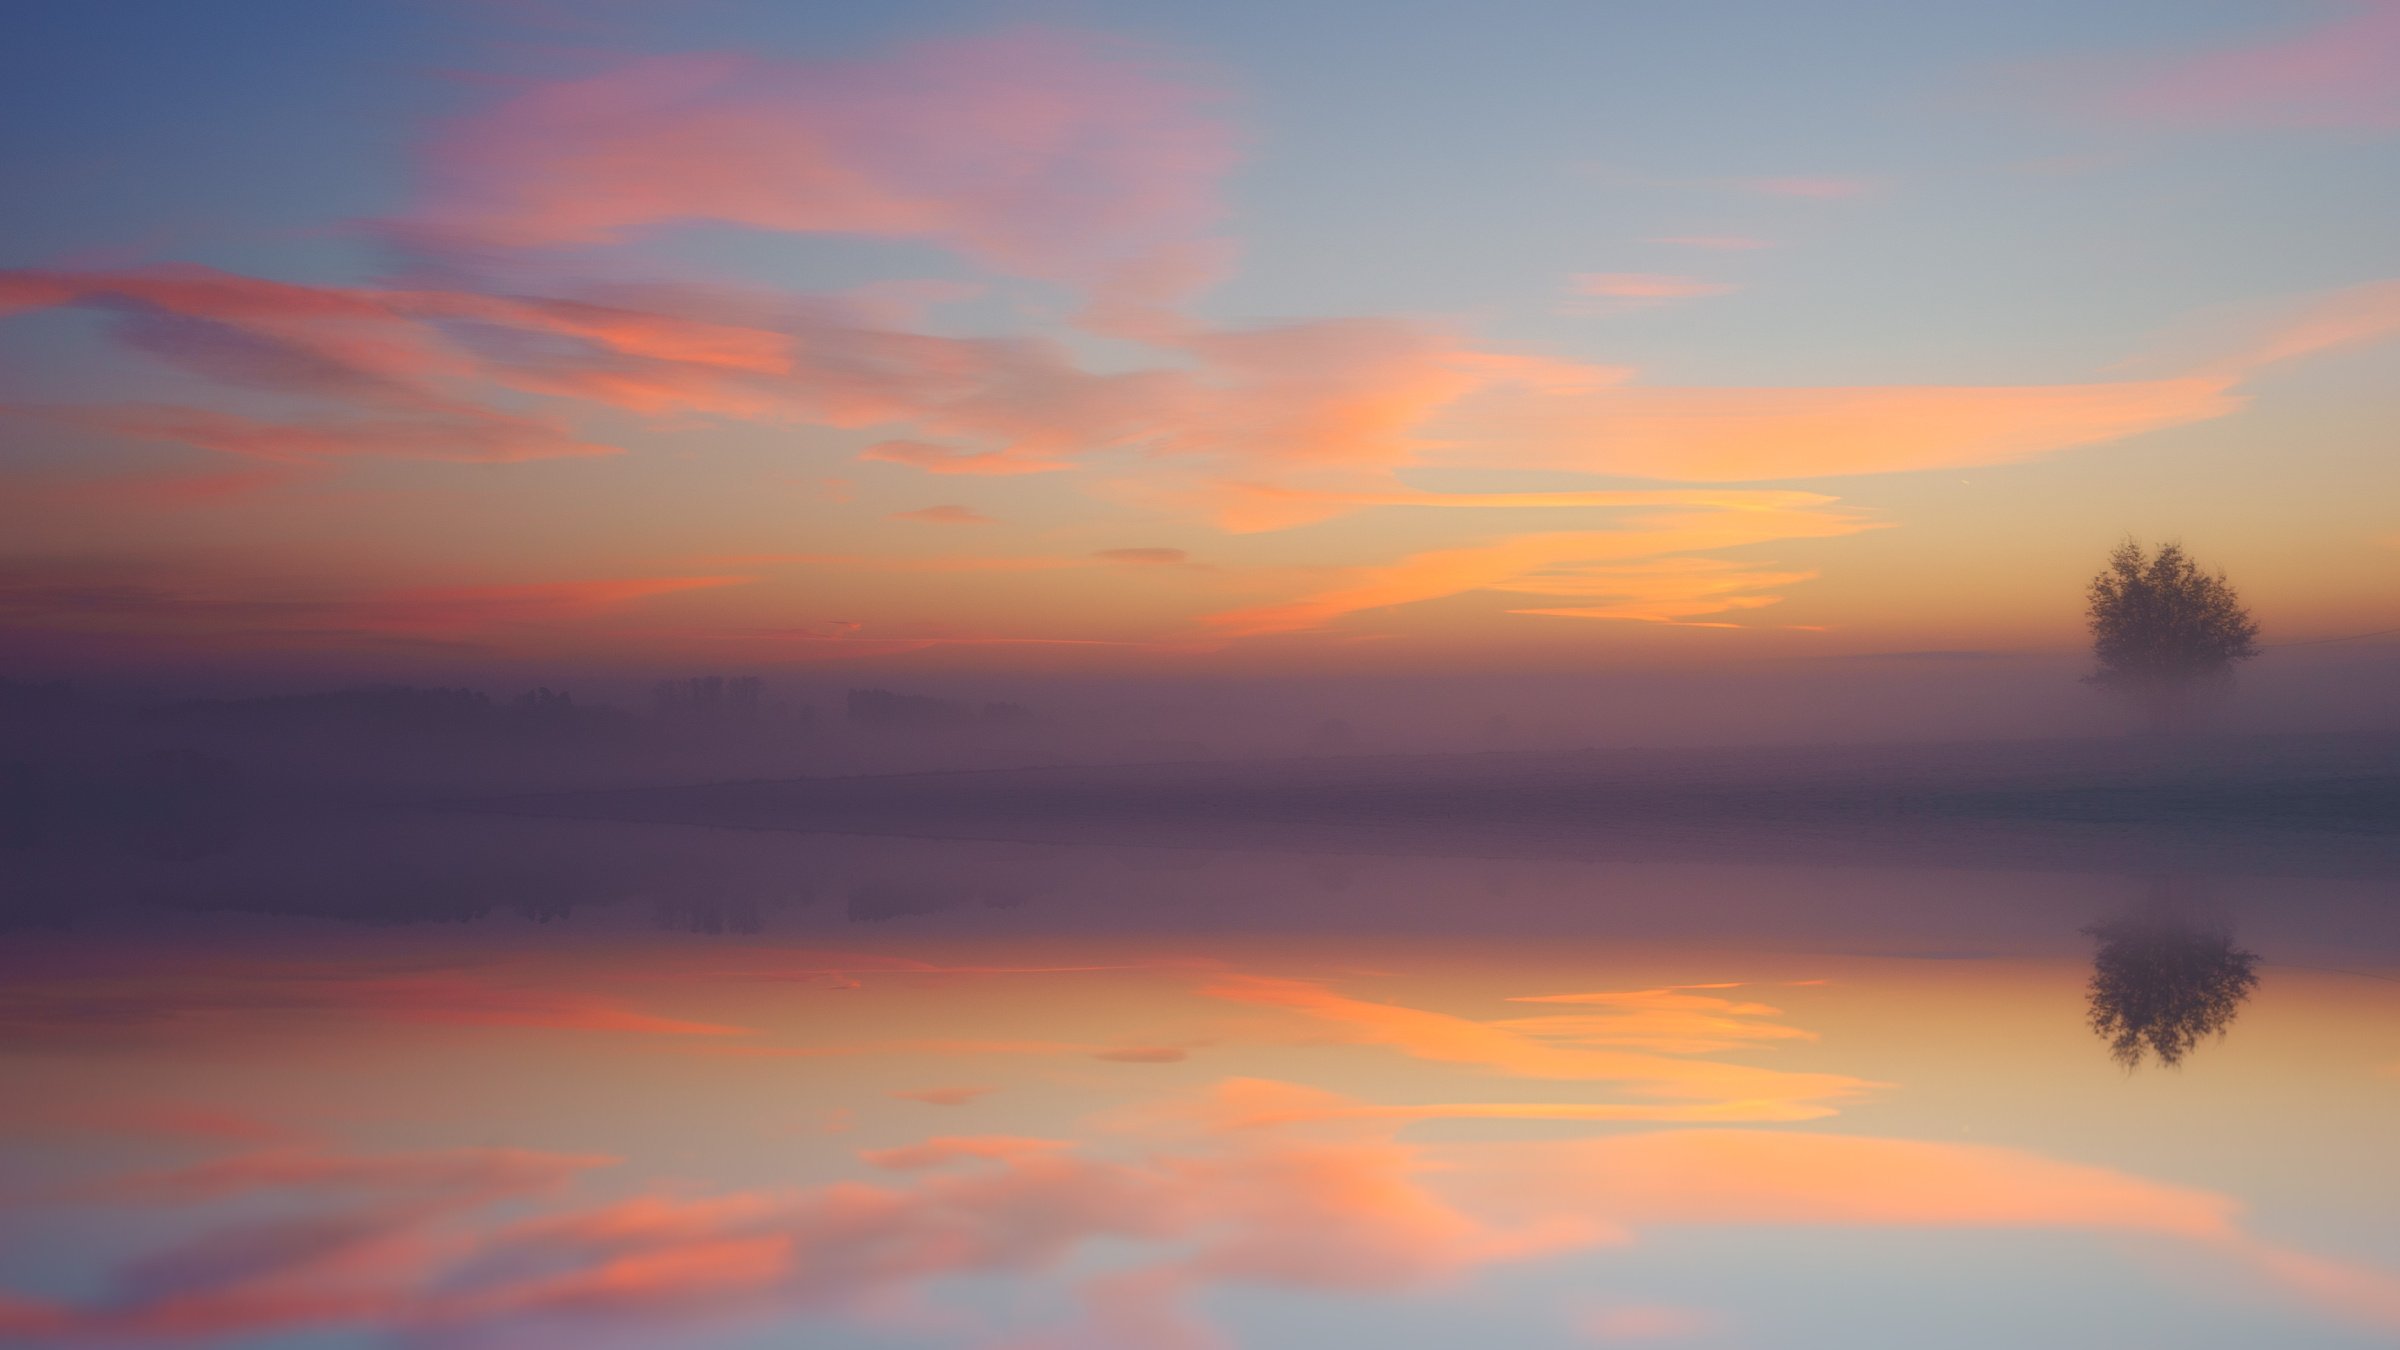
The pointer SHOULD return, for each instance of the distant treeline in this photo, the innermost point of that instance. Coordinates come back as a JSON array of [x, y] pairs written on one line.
[[397, 710], [703, 702]]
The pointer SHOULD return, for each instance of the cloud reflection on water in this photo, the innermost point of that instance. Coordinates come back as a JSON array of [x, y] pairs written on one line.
[[506, 1133]]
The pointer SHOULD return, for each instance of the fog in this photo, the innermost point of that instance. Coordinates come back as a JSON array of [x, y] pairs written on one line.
[[502, 729], [1990, 761]]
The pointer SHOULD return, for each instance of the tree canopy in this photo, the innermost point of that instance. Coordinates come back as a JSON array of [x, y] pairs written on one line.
[[2163, 630], [2162, 985]]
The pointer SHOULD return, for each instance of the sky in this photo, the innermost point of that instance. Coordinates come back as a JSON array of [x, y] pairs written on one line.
[[1082, 337]]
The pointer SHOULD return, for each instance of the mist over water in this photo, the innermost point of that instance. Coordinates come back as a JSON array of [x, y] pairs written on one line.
[[1642, 1007], [1134, 676], [492, 1079]]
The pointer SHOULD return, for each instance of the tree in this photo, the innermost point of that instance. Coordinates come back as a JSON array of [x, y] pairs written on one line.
[[2165, 633], [2163, 985]]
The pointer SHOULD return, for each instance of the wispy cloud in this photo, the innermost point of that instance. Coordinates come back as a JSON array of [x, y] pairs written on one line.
[[1542, 1048], [944, 515], [1250, 1182], [1644, 1323], [1820, 187], [944, 1096], [1144, 557], [1646, 286], [1048, 152], [1736, 434], [1714, 243], [54, 599], [2344, 73], [1633, 572]]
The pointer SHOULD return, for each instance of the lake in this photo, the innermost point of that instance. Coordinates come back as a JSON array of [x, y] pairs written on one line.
[[389, 1078]]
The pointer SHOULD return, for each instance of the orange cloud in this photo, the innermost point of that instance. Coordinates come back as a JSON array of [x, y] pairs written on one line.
[[864, 562], [1622, 567], [1283, 423], [1789, 1177], [1239, 1105], [1144, 1054], [1681, 1021], [944, 515], [949, 459], [1243, 507], [1717, 435], [1537, 1052]]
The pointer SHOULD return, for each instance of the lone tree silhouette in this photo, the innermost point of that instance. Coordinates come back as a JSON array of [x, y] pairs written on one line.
[[2162, 984], [2166, 633]]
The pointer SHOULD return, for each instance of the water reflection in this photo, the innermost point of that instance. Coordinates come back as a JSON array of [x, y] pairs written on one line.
[[2163, 981], [721, 1090]]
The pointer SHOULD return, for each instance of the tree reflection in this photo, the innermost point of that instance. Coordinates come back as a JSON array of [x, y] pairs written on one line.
[[2161, 983]]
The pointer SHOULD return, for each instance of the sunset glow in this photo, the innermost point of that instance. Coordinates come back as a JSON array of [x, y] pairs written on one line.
[[1070, 283], [1121, 675]]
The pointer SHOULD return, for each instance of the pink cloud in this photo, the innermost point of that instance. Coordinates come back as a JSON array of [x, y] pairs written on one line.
[[470, 436], [1645, 286], [944, 1096], [2345, 73], [326, 342], [449, 1000], [1046, 153], [1619, 1323], [484, 1173], [1320, 412], [152, 491], [1347, 1210], [944, 1150], [1821, 187], [1715, 243], [2333, 321], [192, 996], [35, 1317], [190, 1122]]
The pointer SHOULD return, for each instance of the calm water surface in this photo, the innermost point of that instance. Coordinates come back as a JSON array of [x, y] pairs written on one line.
[[467, 1083]]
